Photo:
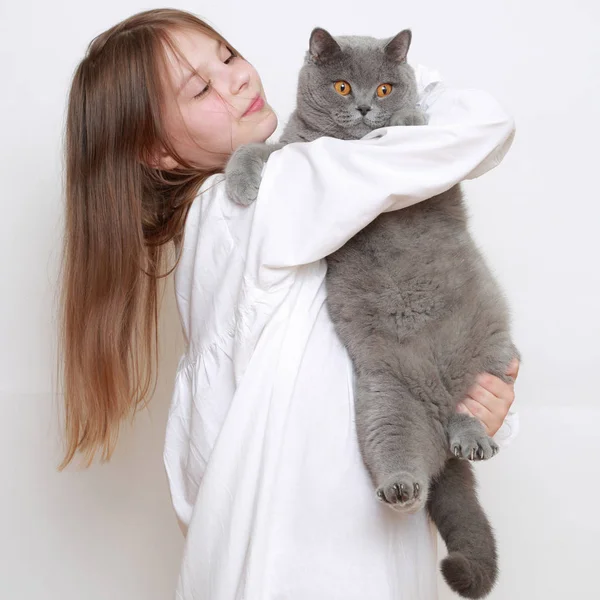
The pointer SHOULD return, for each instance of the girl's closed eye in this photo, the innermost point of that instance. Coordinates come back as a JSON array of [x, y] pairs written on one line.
[[201, 92], [205, 88]]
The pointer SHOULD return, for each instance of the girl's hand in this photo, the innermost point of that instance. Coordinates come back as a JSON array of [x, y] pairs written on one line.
[[490, 398]]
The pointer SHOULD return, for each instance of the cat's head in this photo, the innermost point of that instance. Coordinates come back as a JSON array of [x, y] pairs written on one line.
[[350, 85]]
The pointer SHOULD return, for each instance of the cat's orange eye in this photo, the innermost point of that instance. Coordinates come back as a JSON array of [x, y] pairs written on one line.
[[342, 87], [385, 89]]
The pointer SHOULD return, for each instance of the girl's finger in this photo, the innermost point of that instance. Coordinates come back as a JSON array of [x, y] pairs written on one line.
[[467, 406], [513, 368], [480, 410], [495, 386], [461, 408]]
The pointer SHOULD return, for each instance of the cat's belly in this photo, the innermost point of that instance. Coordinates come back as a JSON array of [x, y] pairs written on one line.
[[372, 297], [395, 292], [402, 289]]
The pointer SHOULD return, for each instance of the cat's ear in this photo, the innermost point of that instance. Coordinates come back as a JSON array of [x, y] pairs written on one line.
[[322, 46], [397, 48]]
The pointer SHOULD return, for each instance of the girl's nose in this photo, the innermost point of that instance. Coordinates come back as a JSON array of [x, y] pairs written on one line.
[[239, 81]]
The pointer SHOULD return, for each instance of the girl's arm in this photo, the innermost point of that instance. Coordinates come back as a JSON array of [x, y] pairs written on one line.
[[314, 196]]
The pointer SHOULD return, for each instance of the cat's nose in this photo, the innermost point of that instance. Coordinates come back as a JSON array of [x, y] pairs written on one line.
[[363, 110]]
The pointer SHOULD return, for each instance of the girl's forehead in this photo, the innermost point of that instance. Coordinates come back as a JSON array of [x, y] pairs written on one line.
[[195, 47]]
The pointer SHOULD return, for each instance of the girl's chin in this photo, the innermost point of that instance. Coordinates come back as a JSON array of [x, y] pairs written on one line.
[[271, 123], [264, 130]]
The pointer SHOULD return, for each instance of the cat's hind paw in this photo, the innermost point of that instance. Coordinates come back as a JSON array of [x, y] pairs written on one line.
[[404, 492]]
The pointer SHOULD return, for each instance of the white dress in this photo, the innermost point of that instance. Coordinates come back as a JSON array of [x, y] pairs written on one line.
[[261, 453]]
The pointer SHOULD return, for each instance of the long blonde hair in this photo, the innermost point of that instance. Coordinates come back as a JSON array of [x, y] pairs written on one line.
[[120, 215]]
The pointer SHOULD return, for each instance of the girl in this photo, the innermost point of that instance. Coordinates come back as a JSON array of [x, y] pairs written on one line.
[[261, 456]]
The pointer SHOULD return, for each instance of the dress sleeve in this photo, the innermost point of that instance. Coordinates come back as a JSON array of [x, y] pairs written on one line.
[[314, 196]]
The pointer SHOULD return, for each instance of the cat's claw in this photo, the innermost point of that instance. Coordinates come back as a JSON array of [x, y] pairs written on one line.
[[475, 448]]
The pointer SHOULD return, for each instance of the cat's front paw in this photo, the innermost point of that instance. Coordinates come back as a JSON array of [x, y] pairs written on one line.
[[473, 447], [469, 440], [409, 118], [242, 188], [243, 174], [404, 492]]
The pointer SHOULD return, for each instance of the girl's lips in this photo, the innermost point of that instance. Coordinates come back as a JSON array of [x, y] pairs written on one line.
[[257, 104]]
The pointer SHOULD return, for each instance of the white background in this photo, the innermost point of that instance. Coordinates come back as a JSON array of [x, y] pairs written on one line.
[[109, 532]]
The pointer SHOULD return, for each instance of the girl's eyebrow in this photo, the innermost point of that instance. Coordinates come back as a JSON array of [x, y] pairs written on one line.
[[187, 79]]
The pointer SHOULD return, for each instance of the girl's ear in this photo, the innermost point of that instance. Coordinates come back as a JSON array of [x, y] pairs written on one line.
[[162, 160], [397, 48], [322, 46]]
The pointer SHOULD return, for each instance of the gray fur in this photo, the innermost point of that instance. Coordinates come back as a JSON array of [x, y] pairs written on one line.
[[414, 303]]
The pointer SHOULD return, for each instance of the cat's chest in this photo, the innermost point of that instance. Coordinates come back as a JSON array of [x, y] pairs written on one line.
[[396, 245], [412, 258]]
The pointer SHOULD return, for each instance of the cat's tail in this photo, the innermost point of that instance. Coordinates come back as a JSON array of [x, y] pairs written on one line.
[[471, 567]]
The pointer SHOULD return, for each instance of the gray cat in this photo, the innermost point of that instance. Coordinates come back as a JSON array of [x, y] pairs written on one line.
[[412, 300]]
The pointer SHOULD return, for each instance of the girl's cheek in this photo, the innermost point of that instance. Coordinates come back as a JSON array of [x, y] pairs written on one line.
[[206, 125]]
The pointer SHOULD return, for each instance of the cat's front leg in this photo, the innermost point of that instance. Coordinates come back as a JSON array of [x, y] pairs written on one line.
[[243, 171], [409, 117]]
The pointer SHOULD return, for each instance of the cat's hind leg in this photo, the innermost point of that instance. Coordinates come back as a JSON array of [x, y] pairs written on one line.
[[400, 448]]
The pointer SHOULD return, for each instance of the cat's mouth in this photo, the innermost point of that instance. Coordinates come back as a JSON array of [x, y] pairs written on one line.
[[359, 124], [367, 122]]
